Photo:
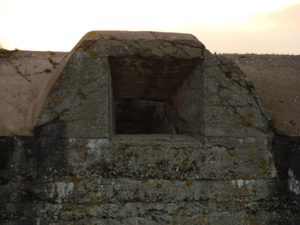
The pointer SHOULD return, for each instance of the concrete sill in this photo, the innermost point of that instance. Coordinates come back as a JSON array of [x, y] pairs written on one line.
[[154, 138]]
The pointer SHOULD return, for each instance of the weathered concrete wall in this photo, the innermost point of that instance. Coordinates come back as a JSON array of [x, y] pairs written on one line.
[[136, 181], [217, 168]]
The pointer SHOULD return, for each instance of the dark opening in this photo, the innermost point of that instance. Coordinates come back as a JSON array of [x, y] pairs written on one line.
[[141, 117], [142, 88]]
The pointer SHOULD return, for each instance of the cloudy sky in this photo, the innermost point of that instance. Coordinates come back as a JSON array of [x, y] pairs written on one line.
[[231, 26]]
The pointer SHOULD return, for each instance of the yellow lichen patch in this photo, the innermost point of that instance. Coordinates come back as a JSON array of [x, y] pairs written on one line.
[[203, 221], [102, 155], [154, 171], [76, 179], [248, 124], [220, 101], [210, 137], [145, 180], [145, 171], [54, 99], [80, 148], [246, 218], [66, 94], [263, 164], [90, 199], [80, 166], [104, 67], [253, 155], [184, 163], [59, 85], [233, 177], [237, 187], [243, 191], [95, 192], [94, 54], [246, 176], [233, 153], [164, 162], [158, 186], [174, 223], [122, 159], [250, 115], [224, 168], [188, 183], [224, 202], [63, 114]]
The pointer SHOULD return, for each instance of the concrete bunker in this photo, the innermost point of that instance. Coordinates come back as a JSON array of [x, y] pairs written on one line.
[[75, 170], [129, 83]]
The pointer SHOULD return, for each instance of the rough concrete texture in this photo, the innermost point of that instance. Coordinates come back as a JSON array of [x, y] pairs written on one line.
[[22, 75], [276, 78], [208, 156]]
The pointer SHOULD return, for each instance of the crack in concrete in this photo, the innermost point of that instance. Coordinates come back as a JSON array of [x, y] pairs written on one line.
[[54, 64], [19, 72], [247, 86], [9, 103], [25, 76], [234, 108]]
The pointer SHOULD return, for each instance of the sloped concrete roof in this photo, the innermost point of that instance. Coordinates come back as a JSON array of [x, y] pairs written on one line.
[[24, 73], [277, 80]]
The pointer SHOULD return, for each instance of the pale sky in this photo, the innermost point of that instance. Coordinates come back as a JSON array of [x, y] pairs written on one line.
[[231, 26]]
